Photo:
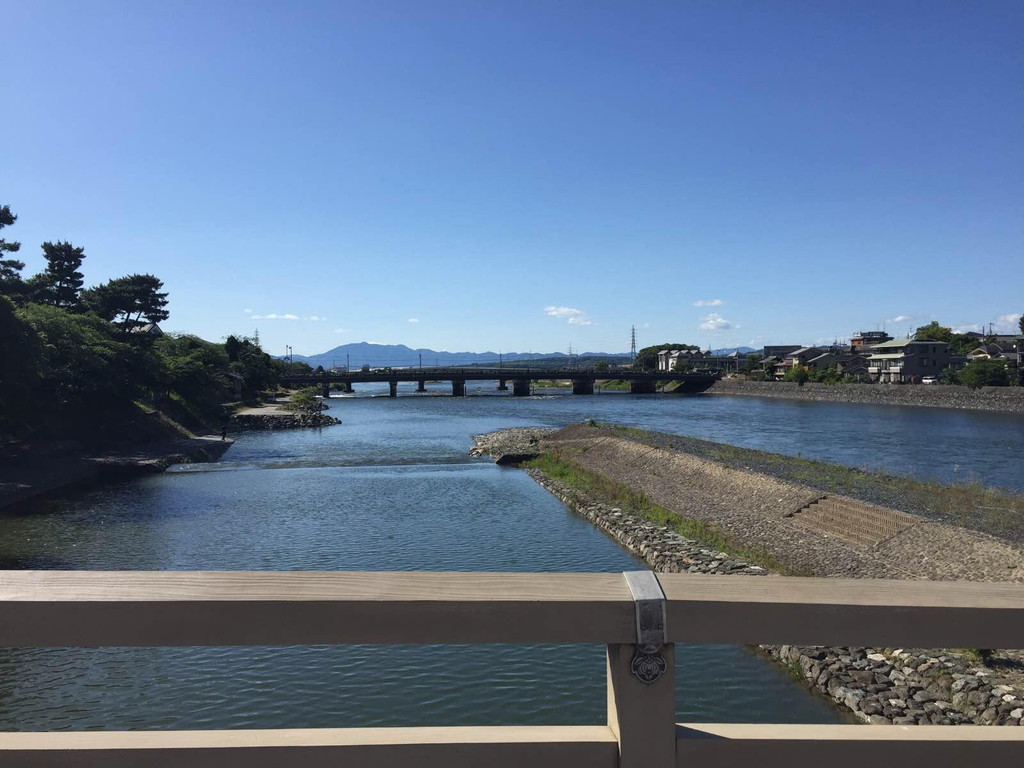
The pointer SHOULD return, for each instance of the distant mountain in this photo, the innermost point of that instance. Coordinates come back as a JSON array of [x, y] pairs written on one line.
[[730, 350], [401, 356]]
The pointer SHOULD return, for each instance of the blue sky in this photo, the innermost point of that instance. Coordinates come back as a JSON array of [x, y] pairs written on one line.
[[527, 175]]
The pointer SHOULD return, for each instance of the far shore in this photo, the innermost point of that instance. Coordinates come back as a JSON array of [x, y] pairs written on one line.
[[1001, 399]]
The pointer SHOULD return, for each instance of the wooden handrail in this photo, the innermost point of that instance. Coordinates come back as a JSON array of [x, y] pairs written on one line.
[[136, 608]]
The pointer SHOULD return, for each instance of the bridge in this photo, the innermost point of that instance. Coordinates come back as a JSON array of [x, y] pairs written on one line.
[[583, 379], [638, 616]]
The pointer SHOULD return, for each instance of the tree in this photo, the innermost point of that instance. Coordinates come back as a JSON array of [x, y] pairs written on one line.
[[11, 283], [601, 365], [960, 343], [1020, 324], [798, 374], [128, 300], [232, 346], [62, 282], [984, 373]]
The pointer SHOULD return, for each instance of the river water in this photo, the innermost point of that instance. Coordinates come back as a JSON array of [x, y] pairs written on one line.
[[394, 489]]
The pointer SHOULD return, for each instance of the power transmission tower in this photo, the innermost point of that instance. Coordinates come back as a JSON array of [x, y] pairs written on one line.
[[632, 342]]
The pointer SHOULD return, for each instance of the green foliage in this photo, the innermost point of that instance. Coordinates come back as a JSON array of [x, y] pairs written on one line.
[[984, 373], [960, 343], [798, 374], [601, 365], [128, 301], [11, 283], [88, 376], [20, 369], [61, 281], [647, 358], [830, 375], [306, 401]]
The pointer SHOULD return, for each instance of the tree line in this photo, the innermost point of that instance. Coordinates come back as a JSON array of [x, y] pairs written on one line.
[[89, 363]]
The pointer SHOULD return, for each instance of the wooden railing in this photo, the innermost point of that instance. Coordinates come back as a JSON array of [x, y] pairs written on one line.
[[173, 608]]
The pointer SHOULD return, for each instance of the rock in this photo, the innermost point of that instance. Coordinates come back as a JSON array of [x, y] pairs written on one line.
[[1018, 713], [870, 707], [988, 716], [879, 720]]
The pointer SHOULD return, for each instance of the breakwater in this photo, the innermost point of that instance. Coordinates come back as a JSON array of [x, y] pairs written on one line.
[[281, 420], [1004, 399], [876, 685]]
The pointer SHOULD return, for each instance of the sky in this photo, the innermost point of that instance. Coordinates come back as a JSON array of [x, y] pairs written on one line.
[[527, 176]]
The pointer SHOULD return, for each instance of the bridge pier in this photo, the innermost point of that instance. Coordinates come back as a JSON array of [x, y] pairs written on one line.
[[421, 385], [583, 386], [346, 386], [325, 390], [458, 387], [392, 388], [502, 385], [521, 388], [643, 387]]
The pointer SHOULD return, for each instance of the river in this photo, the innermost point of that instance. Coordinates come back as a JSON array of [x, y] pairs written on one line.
[[394, 489]]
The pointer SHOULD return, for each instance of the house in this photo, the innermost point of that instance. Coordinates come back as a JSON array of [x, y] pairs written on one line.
[[800, 356], [987, 352], [821, 362], [855, 366], [779, 351], [147, 329], [907, 361], [668, 359], [863, 340]]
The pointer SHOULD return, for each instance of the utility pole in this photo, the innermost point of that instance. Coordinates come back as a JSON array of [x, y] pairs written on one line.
[[421, 361], [346, 362]]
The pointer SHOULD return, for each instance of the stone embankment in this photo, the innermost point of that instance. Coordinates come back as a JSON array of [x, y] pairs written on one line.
[[281, 420], [37, 471], [877, 685], [1005, 399]]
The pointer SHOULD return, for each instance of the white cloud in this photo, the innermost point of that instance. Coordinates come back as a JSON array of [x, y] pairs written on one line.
[[646, 325], [708, 303], [900, 319], [316, 318], [563, 312], [1007, 323], [573, 315], [715, 322], [966, 328], [275, 316], [340, 330], [247, 311], [414, 319]]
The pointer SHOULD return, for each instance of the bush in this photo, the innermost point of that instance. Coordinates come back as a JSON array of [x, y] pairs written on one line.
[[984, 373]]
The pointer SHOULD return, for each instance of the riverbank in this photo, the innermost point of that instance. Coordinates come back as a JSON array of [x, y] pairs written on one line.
[[36, 470], [712, 502], [1003, 399], [276, 415]]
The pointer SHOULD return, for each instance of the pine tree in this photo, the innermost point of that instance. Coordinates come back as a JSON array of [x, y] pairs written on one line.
[[11, 283], [63, 281]]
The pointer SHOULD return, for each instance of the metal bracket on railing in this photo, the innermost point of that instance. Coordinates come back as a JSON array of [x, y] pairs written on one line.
[[648, 663]]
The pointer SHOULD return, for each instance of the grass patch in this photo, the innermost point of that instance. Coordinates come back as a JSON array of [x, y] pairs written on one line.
[[608, 491]]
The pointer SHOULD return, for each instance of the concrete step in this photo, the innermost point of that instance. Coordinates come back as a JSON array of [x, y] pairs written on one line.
[[860, 524]]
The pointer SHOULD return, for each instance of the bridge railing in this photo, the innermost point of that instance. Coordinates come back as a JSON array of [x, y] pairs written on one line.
[[174, 608]]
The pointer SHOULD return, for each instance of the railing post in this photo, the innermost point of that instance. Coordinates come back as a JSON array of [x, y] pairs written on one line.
[[642, 683], [642, 716]]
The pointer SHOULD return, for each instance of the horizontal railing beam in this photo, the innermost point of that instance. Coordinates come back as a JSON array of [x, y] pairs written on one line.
[[468, 747], [847, 746], [171, 608], [811, 611]]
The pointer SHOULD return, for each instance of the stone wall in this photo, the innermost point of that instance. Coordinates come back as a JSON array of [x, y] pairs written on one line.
[[876, 685], [1007, 399]]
